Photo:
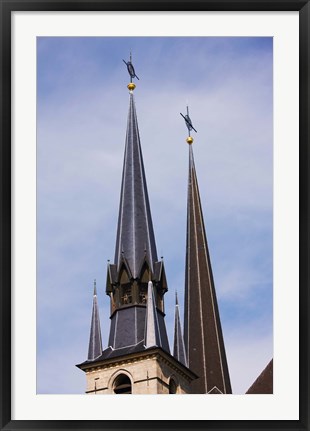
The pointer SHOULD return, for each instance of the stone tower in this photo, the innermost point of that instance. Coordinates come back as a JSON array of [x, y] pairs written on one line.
[[137, 359]]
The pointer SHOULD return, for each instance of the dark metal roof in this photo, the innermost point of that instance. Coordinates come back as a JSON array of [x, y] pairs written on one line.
[[95, 342], [203, 337], [129, 328], [264, 382], [179, 348], [110, 353], [135, 235], [114, 353]]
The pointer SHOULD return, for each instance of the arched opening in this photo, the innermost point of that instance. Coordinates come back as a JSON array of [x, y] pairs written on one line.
[[126, 295], [144, 279], [172, 387], [122, 385], [143, 293]]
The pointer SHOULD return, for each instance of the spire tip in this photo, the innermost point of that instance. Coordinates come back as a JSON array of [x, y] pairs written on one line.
[[131, 70], [189, 125], [176, 298]]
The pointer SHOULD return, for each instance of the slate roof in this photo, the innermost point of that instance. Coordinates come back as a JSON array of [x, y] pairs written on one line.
[[109, 352], [203, 337]]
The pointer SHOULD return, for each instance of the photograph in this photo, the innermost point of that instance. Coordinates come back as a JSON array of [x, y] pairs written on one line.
[[154, 215]]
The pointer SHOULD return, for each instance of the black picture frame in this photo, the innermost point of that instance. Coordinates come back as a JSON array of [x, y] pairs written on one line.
[[9, 6]]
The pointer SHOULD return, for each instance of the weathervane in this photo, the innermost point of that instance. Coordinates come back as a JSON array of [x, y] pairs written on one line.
[[189, 126], [131, 70]]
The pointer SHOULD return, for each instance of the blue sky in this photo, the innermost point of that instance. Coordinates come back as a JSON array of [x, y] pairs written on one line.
[[82, 105]]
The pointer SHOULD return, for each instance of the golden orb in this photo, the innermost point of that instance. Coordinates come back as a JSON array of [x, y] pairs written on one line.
[[131, 86], [189, 140]]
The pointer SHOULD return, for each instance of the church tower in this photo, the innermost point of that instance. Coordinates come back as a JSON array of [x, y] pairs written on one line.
[[204, 344], [137, 359]]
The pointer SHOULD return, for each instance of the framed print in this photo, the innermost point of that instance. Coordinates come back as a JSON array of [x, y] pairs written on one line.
[[154, 215]]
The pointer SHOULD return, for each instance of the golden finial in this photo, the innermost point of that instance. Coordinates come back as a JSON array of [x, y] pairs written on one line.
[[190, 140], [131, 86]]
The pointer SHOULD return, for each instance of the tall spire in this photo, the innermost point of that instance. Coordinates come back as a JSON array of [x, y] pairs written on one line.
[[135, 263], [95, 342], [179, 347], [135, 235], [203, 337]]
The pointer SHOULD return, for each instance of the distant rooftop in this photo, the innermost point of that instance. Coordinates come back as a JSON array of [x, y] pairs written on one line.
[[264, 382]]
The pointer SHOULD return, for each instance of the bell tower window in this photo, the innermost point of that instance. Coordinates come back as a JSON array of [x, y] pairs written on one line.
[[143, 293], [122, 385]]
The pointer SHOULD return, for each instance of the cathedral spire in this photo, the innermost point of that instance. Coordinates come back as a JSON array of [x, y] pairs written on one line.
[[203, 337], [135, 235], [95, 343], [135, 263], [179, 348]]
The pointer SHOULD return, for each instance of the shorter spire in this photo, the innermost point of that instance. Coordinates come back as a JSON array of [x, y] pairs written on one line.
[[150, 336], [95, 342], [179, 347], [152, 329]]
